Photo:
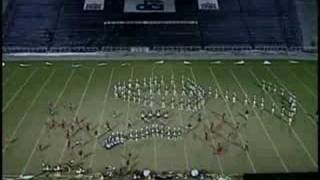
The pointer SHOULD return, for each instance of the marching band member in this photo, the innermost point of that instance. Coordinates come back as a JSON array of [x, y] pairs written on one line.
[[254, 101], [273, 108], [216, 95], [226, 96], [234, 97]]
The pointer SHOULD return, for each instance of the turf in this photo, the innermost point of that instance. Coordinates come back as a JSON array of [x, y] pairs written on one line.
[[273, 145]]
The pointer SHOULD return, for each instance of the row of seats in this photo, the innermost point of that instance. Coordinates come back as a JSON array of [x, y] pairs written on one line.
[[265, 30], [258, 22], [223, 29], [31, 24], [131, 35], [64, 23], [259, 6]]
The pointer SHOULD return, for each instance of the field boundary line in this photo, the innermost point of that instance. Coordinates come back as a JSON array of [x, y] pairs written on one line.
[[181, 122], [19, 90], [280, 82], [232, 117], [299, 139], [43, 126], [8, 78], [105, 98], [262, 125], [35, 98], [78, 109], [205, 111]]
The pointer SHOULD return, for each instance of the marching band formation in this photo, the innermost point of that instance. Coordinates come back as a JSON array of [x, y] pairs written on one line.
[[288, 101], [111, 172], [188, 96], [57, 170], [185, 95], [157, 99], [155, 130], [154, 92]]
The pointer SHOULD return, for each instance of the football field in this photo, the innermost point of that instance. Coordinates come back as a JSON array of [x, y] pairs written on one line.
[[31, 88]]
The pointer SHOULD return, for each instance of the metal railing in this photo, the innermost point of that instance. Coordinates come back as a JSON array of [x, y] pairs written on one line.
[[178, 49]]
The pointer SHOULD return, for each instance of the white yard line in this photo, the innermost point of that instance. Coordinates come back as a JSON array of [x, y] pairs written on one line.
[[128, 110], [227, 105], [78, 109], [29, 108], [19, 90], [44, 126], [43, 176], [305, 149], [294, 132], [184, 144], [303, 84], [12, 75], [263, 126], [100, 123], [154, 139], [33, 151], [205, 112], [303, 109], [155, 155]]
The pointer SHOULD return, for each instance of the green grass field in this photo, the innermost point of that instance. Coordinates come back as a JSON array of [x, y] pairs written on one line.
[[273, 145]]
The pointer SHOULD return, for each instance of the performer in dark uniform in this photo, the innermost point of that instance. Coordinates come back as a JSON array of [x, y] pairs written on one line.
[[219, 149], [206, 136]]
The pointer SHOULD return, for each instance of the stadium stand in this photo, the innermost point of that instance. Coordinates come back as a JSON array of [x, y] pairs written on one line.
[[51, 24]]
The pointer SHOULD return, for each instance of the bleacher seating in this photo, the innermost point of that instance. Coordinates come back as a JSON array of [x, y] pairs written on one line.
[[265, 30], [259, 7], [223, 30], [58, 23]]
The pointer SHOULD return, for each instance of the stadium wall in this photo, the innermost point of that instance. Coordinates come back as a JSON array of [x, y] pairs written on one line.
[[165, 54], [83, 49]]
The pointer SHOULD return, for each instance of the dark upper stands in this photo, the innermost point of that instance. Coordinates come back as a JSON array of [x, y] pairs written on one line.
[[59, 23]]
